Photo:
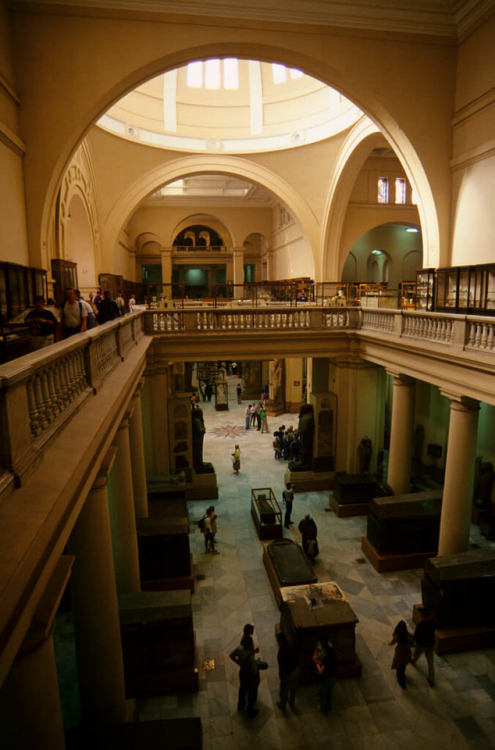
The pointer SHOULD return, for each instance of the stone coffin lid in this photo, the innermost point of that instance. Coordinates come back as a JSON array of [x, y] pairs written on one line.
[[473, 564], [290, 563], [413, 505], [154, 606]]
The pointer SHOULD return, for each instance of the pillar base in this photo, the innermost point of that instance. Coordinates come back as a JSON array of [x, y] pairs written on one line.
[[292, 407], [275, 411], [202, 487], [309, 481], [455, 640], [386, 563]]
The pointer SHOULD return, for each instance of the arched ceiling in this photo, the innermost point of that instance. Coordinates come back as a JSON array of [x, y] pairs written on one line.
[[230, 106]]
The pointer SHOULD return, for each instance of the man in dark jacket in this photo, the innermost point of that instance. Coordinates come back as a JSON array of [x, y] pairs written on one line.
[[108, 309], [424, 639]]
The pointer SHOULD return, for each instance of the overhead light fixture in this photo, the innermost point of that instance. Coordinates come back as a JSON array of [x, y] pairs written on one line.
[[376, 252], [411, 229]]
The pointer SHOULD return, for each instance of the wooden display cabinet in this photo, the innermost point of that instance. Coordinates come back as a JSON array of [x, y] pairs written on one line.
[[266, 513]]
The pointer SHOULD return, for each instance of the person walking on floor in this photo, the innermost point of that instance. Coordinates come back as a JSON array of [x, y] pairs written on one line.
[[288, 496], [402, 654], [424, 641], [249, 679], [264, 420], [253, 415], [210, 530], [247, 416], [325, 662], [239, 392], [236, 460], [288, 671]]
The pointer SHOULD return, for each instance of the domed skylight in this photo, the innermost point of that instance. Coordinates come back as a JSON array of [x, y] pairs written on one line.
[[230, 106]]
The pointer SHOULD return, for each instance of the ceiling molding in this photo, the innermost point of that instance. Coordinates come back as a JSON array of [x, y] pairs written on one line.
[[444, 18]]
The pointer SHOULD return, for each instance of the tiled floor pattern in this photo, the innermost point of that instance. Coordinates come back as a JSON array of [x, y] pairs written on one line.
[[370, 713]]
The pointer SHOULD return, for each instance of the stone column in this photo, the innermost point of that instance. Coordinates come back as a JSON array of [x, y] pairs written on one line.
[[96, 613], [30, 711], [123, 516], [401, 435], [459, 476], [166, 257], [293, 384], [360, 390], [320, 374], [137, 456], [155, 420], [238, 270]]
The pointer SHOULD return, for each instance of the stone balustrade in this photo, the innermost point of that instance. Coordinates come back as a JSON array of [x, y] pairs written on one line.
[[40, 391], [249, 319]]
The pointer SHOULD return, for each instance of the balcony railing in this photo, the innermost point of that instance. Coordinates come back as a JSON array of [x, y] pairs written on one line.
[[41, 391], [199, 249]]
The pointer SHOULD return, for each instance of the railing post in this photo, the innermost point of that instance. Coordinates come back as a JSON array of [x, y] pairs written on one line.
[[398, 323], [459, 332], [16, 448]]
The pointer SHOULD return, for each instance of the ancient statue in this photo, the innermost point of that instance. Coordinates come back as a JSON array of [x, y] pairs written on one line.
[[306, 429], [198, 434]]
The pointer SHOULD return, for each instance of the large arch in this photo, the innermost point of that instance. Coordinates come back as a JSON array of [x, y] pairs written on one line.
[[219, 164], [90, 85]]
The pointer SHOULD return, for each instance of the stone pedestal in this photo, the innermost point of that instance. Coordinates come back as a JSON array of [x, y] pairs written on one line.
[[202, 487], [310, 481], [325, 411], [459, 474]]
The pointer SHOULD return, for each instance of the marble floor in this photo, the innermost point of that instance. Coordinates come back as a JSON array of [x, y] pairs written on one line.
[[371, 712]]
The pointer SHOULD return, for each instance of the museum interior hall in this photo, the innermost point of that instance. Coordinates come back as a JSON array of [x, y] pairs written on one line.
[[247, 348]]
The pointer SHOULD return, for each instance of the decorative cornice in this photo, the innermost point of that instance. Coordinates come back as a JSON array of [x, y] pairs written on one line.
[[452, 19]]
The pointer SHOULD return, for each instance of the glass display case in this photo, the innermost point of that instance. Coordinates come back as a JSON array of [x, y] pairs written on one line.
[[481, 290], [466, 290], [18, 287], [425, 289]]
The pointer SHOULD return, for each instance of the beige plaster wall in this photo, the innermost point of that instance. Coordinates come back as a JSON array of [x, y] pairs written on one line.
[[72, 86], [164, 220], [13, 214], [473, 153]]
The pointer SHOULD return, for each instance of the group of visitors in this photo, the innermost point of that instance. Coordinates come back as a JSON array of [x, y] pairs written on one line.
[[288, 658], [286, 444], [50, 324], [255, 417], [423, 641]]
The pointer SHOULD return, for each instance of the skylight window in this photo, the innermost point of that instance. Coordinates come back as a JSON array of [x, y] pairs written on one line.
[[212, 74], [194, 75], [279, 73], [231, 73]]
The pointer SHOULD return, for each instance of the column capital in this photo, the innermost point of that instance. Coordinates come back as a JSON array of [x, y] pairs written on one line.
[[101, 480], [460, 402], [400, 378], [352, 361]]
